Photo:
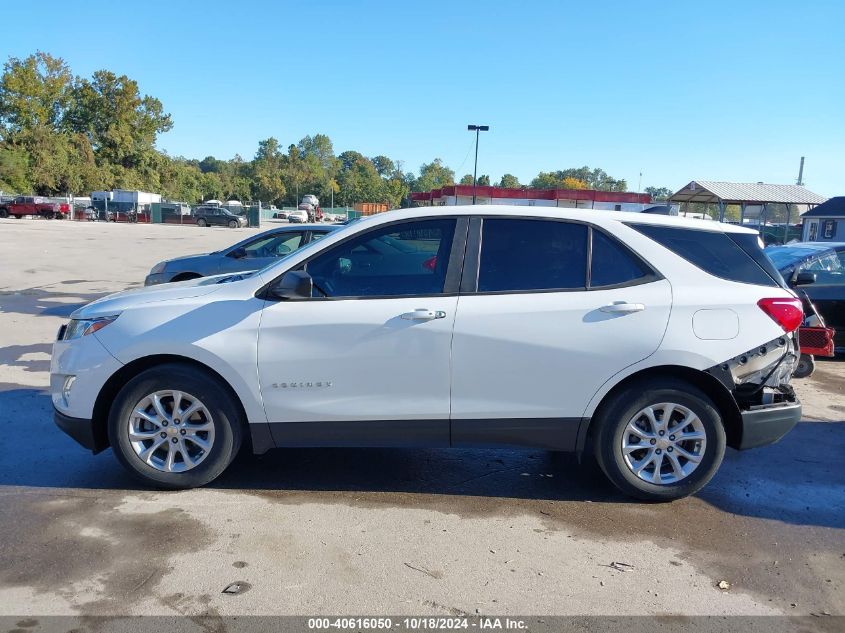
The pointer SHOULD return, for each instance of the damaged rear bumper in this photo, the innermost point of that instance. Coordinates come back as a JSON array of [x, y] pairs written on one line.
[[766, 424]]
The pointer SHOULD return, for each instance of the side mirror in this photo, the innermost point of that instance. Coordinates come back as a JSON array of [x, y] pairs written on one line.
[[238, 253], [294, 284], [804, 278]]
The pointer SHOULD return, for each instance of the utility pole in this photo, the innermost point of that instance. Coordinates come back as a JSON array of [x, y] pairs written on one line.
[[477, 129], [800, 182]]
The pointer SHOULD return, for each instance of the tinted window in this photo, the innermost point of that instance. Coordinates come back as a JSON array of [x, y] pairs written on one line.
[[398, 260], [532, 255], [614, 264], [711, 251], [274, 245]]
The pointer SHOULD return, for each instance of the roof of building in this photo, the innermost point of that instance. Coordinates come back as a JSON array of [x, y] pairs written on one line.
[[833, 207], [532, 194], [738, 192]]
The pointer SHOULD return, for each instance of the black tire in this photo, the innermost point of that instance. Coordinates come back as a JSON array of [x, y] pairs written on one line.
[[4, 213], [233, 224], [202, 222], [613, 417], [805, 367], [16, 216], [228, 429], [185, 277]]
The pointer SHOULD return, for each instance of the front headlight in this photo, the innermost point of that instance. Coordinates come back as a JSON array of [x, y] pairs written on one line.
[[80, 327], [158, 268]]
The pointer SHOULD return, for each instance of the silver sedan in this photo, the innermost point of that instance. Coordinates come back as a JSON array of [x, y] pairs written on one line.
[[253, 253]]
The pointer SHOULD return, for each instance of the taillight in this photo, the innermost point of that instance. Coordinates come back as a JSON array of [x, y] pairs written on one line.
[[786, 312]]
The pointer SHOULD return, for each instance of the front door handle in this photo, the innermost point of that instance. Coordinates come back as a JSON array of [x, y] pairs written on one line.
[[622, 307], [424, 314]]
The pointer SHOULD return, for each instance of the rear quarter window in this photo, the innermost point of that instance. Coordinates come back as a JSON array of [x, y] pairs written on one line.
[[714, 252]]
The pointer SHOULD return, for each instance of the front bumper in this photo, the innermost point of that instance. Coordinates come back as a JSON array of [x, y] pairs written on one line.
[[80, 429], [766, 424]]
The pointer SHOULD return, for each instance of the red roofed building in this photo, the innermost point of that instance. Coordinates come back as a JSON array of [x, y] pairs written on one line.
[[569, 198]]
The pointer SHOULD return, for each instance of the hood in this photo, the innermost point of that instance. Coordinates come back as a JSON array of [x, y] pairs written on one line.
[[185, 259], [120, 301]]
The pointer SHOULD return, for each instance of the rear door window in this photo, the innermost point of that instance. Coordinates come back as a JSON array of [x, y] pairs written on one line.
[[711, 251], [612, 264], [531, 255]]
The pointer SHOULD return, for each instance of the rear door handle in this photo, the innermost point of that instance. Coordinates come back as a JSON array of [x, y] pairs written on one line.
[[424, 314], [621, 307]]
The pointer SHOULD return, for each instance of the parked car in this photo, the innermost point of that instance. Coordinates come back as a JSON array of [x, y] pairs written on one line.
[[253, 253], [825, 261], [36, 206], [652, 341], [218, 216], [298, 216]]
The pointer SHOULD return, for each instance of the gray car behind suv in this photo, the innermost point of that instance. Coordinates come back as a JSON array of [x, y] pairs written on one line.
[[253, 253]]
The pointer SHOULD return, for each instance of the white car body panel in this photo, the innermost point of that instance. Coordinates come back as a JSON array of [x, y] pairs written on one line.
[[542, 355], [517, 355], [379, 365]]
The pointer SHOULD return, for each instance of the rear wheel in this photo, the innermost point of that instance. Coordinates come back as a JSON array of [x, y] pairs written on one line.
[[202, 222], [805, 367], [659, 440], [174, 426]]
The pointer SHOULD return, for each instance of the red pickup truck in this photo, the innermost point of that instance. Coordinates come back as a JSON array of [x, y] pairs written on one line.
[[34, 205]]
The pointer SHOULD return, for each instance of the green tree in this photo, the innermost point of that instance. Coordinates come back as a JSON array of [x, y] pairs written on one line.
[[384, 166], [483, 180], [268, 172], [659, 193], [593, 178], [510, 181], [434, 175], [120, 123], [35, 93], [466, 179]]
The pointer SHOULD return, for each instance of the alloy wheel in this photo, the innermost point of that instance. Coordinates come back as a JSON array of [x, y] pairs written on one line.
[[171, 430], [664, 443]]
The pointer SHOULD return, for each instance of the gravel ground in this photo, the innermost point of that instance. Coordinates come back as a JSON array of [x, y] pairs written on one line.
[[380, 531]]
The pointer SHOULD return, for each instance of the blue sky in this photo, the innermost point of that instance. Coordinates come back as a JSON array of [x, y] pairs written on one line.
[[676, 90]]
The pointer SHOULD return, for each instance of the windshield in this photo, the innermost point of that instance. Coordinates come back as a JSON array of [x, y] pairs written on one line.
[[786, 257]]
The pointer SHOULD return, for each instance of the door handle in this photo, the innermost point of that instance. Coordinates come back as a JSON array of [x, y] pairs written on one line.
[[621, 307], [424, 314]]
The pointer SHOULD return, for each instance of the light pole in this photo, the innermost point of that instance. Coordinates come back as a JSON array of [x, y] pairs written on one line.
[[477, 129]]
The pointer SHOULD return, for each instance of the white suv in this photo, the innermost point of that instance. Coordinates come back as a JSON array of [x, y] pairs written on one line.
[[654, 342]]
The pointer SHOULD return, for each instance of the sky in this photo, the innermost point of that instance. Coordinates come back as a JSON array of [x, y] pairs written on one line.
[[675, 91]]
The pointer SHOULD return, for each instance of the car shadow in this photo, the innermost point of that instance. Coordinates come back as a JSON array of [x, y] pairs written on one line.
[[798, 480]]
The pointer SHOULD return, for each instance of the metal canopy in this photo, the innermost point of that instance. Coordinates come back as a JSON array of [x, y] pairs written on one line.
[[714, 192]]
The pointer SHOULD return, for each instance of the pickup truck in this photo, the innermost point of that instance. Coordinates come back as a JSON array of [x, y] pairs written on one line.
[[34, 205]]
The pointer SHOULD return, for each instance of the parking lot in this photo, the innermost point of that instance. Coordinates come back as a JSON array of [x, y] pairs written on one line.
[[380, 531]]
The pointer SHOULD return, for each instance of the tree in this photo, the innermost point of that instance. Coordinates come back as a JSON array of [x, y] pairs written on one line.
[[509, 181], [359, 181], [384, 166], [434, 175], [121, 124], [573, 183], [268, 171], [466, 179], [34, 95], [483, 180], [590, 179], [658, 193]]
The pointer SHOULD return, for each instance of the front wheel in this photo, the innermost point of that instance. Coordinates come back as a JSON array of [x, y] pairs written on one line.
[[659, 440], [233, 224], [174, 426]]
